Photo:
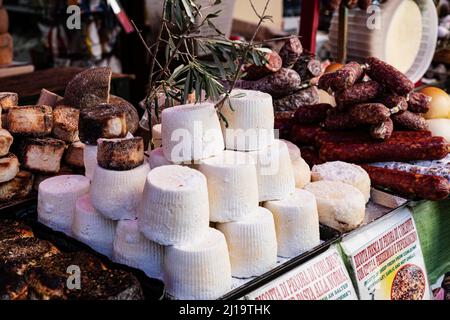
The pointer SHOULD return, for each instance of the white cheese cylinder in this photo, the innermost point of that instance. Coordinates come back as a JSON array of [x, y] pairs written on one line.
[[157, 159], [116, 194], [198, 270], [250, 120], [90, 160], [232, 185], [252, 244], [274, 170], [133, 249], [296, 223], [91, 228], [302, 173], [340, 205], [174, 208], [191, 132], [56, 200]]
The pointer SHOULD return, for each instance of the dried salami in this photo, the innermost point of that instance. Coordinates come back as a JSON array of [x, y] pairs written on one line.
[[343, 78], [418, 102], [300, 98], [409, 121], [369, 113], [336, 120], [312, 114], [382, 131], [359, 93], [254, 72], [394, 102], [291, 51]]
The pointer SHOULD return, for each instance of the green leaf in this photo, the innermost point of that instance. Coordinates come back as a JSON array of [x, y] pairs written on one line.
[[187, 86], [188, 9]]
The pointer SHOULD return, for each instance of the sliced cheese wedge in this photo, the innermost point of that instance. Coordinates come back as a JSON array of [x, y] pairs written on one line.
[[296, 222], [198, 270], [232, 185], [91, 228], [56, 200], [116, 194], [274, 170], [250, 119], [340, 205], [133, 249], [90, 160], [252, 244], [191, 132], [174, 208]]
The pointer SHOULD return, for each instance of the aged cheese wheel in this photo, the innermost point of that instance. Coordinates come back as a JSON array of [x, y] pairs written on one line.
[[130, 112], [39, 177], [296, 222], [198, 270], [91, 228], [4, 20], [302, 173], [9, 167], [90, 160], [250, 120], [252, 244], [87, 86], [340, 205], [102, 121], [56, 200], [232, 185], [116, 194], [133, 249], [274, 170], [42, 154], [120, 154], [440, 128], [74, 154], [156, 136], [191, 132], [8, 100], [65, 123], [174, 208], [33, 121], [6, 140], [6, 49], [48, 98], [344, 172], [156, 158], [17, 188]]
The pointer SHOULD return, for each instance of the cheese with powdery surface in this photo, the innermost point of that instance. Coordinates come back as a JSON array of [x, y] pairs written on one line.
[[302, 172], [198, 270], [174, 207], [274, 171], [156, 158], [131, 248], [344, 172], [250, 120], [340, 205], [116, 194], [252, 244], [232, 185], [296, 222], [90, 160], [91, 228], [56, 200], [191, 132]]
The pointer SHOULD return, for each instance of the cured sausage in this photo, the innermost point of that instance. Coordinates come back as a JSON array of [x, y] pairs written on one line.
[[338, 121], [299, 98], [312, 114], [418, 102], [359, 93], [410, 121], [304, 134], [394, 102], [383, 130], [254, 72], [343, 78], [369, 113], [291, 51]]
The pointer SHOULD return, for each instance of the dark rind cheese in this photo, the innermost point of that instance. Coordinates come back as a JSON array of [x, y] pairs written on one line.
[[6, 140], [130, 112], [65, 123], [42, 155], [103, 121], [74, 154], [120, 154], [17, 188], [48, 98], [34, 121], [8, 100], [9, 167]]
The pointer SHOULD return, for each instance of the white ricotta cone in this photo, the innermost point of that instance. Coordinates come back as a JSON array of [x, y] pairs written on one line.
[[116, 194], [296, 223], [91, 228], [232, 186], [174, 207], [274, 170], [344, 172], [251, 124], [198, 270], [302, 172], [133, 249], [56, 200], [156, 158], [191, 132], [340, 205], [90, 160], [252, 244]]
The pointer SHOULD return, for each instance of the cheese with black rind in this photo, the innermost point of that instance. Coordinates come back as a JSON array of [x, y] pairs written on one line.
[[6, 140], [34, 121], [120, 154], [65, 123], [48, 98], [9, 167], [74, 154], [17, 188], [42, 154], [8, 100], [130, 112]]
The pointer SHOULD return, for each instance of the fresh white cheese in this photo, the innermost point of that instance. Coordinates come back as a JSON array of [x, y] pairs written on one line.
[[274, 170], [296, 222], [344, 172], [198, 270], [90, 160], [174, 207], [133, 249], [302, 173], [252, 244], [116, 194], [91, 228], [232, 185], [56, 200], [157, 159], [250, 119], [340, 205], [191, 132]]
